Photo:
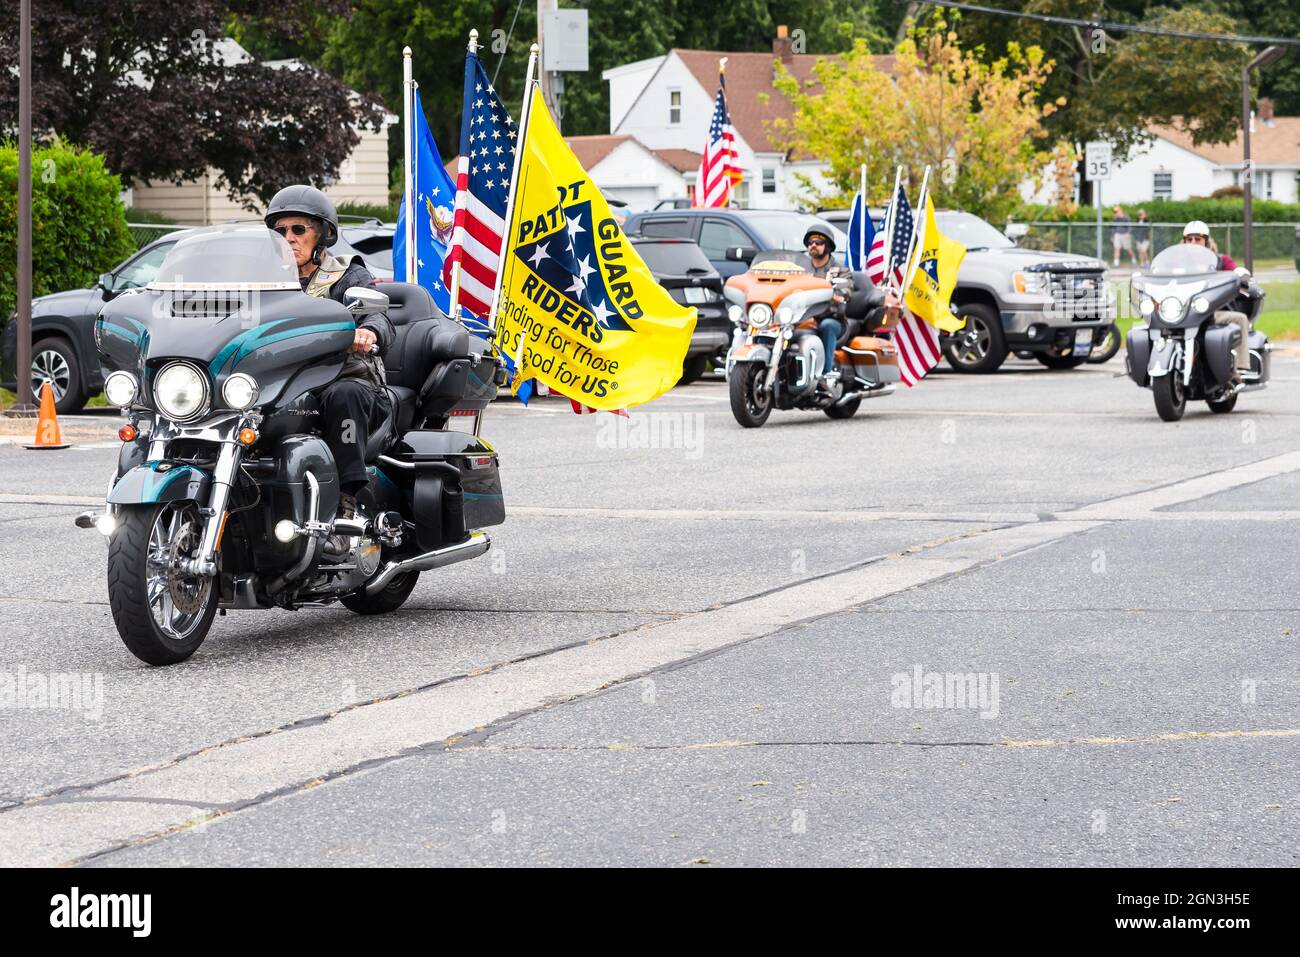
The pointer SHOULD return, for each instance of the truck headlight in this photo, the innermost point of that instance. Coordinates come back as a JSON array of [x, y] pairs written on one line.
[[181, 391], [239, 391], [1030, 282], [120, 389]]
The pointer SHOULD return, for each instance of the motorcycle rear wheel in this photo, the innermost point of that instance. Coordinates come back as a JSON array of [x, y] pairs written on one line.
[[1222, 405], [392, 597], [144, 589], [750, 408], [845, 411]]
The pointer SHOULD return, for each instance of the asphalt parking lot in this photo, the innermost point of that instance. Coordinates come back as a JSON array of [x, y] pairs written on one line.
[[693, 644]]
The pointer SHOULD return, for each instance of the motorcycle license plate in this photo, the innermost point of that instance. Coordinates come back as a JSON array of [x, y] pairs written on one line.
[[1082, 342]]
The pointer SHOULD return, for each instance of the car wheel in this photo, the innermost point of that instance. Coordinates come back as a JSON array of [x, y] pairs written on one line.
[[693, 368], [55, 362], [1053, 361], [978, 347]]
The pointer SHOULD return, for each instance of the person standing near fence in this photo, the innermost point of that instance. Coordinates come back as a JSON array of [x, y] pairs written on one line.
[[1121, 236], [1142, 237]]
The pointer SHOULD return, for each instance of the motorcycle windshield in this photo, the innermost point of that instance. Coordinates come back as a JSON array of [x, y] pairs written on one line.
[[783, 260], [233, 257], [1185, 259]]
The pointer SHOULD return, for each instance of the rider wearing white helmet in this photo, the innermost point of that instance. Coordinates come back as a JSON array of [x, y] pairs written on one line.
[[1197, 233]]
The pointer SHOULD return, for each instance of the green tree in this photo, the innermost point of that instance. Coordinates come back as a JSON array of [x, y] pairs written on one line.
[[979, 125], [1116, 85]]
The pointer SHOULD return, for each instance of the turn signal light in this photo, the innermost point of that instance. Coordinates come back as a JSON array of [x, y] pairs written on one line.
[[247, 436], [127, 433]]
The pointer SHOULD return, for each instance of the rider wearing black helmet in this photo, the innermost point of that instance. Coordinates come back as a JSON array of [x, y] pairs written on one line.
[[820, 245], [357, 401]]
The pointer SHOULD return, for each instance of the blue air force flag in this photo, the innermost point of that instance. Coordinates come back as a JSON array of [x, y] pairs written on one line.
[[434, 200]]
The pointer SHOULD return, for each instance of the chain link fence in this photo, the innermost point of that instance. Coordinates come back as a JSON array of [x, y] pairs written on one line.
[[145, 233], [1272, 240]]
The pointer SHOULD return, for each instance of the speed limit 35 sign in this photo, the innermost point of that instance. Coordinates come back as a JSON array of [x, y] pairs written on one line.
[[1096, 162]]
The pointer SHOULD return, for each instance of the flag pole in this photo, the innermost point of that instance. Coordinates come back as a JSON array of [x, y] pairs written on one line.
[[408, 162], [891, 226], [454, 291], [862, 226], [508, 239], [917, 229]]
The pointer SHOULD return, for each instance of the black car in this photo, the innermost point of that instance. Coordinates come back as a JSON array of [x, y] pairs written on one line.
[[63, 344], [730, 238], [682, 268]]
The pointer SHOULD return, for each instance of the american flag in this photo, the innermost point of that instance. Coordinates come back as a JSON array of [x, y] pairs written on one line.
[[917, 343], [718, 170], [900, 215], [487, 159]]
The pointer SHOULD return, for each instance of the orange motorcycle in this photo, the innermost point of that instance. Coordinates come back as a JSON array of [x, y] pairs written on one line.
[[776, 358]]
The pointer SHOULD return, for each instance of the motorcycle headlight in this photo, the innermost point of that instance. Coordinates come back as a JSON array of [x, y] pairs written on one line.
[[1146, 306], [784, 314], [1171, 309], [1201, 305], [735, 313], [239, 391], [120, 389], [181, 391], [760, 313]]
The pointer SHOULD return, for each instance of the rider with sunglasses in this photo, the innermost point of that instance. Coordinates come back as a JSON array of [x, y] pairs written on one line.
[[357, 401]]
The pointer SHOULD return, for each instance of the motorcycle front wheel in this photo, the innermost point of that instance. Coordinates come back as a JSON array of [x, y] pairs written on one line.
[[162, 614], [750, 403], [1171, 399]]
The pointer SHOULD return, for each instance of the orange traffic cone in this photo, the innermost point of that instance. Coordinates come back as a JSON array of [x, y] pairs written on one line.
[[48, 435]]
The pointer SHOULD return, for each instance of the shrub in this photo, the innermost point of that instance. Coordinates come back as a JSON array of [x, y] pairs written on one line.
[[385, 214], [78, 222]]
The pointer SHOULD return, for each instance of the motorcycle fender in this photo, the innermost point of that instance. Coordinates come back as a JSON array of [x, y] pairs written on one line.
[[156, 482], [752, 352], [1164, 357]]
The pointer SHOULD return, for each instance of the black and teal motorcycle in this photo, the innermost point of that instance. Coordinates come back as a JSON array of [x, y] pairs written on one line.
[[226, 495]]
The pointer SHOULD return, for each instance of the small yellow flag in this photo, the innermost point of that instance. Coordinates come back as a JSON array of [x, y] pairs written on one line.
[[579, 309], [929, 289]]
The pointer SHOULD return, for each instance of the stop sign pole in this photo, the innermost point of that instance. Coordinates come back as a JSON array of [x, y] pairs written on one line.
[[22, 371]]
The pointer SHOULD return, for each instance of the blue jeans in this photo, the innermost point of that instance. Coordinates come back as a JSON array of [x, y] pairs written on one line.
[[829, 331]]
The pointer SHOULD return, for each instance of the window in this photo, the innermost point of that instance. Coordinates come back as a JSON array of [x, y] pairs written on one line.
[[141, 270], [769, 179], [659, 227], [674, 107], [1162, 186], [740, 194], [1266, 184], [717, 235]]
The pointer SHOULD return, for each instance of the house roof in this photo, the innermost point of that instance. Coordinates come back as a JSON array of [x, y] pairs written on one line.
[[750, 74], [1276, 145], [684, 161], [590, 150]]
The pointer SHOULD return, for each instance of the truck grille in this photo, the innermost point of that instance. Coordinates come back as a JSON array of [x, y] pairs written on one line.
[[1079, 295]]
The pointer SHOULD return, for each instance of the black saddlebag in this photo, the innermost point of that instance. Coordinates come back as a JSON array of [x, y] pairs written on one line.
[[455, 487]]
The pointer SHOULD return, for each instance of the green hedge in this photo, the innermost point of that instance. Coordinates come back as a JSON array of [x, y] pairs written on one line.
[[78, 222], [1226, 210]]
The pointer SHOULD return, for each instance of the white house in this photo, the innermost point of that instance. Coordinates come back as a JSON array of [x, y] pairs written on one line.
[[1174, 168], [666, 103], [363, 176], [625, 168]]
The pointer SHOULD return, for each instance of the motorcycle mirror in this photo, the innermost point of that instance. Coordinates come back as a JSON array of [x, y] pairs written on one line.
[[1242, 272], [1017, 231], [363, 301], [741, 254]]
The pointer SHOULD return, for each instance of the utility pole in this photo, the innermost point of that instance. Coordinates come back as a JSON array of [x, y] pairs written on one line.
[[23, 370], [1264, 58], [545, 78]]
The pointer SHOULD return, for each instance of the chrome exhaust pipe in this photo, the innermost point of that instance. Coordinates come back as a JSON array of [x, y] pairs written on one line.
[[477, 544]]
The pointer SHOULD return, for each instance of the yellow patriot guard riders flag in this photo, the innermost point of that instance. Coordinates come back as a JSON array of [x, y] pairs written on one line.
[[579, 310], [930, 288]]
